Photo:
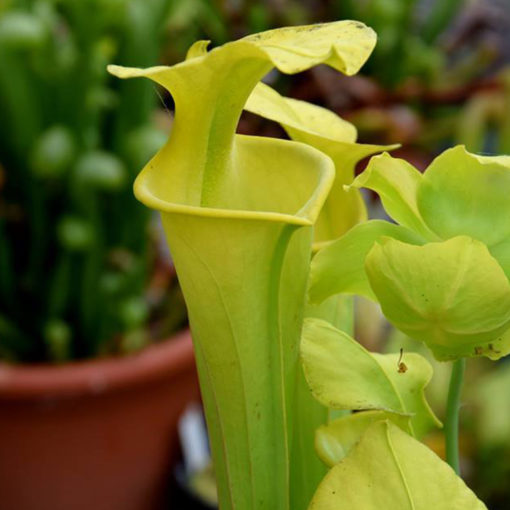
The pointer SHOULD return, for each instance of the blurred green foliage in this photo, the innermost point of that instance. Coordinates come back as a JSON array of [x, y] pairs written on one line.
[[224, 20], [407, 38], [409, 32], [74, 255], [484, 124]]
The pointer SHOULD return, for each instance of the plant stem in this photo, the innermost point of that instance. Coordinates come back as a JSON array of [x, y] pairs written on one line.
[[451, 428]]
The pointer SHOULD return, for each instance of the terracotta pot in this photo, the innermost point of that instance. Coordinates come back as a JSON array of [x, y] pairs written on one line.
[[94, 435]]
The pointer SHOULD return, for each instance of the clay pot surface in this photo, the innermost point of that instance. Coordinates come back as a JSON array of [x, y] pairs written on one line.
[[99, 434]]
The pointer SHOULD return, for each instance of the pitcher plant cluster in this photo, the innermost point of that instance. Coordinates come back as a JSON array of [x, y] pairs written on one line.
[[270, 239]]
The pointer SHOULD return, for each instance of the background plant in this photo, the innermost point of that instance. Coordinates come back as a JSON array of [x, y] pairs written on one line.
[[74, 257]]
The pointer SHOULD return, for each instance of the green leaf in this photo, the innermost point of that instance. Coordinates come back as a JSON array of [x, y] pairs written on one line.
[[338, 310], [326, 131], [241, 240], [335, 440], [299, 115], [343, 45], [342, 374], [501, 252], [388, 469], [397, 183], [465, 194], [452, 295], [459, 194], [339, 267]]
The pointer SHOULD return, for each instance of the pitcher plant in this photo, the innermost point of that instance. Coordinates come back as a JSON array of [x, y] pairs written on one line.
[[238, 213]]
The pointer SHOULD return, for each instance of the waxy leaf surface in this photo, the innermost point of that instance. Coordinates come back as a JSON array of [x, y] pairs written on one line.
[[397, 183], [343, 45], [452, 295], [466, 194], [339, 267], [388, 469], [342, 374], [335, 440]]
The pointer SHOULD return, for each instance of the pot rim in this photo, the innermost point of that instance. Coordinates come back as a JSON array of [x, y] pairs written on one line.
[[161, 360]]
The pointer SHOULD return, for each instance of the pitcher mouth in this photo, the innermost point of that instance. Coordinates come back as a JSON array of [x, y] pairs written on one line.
[[321, 165]]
